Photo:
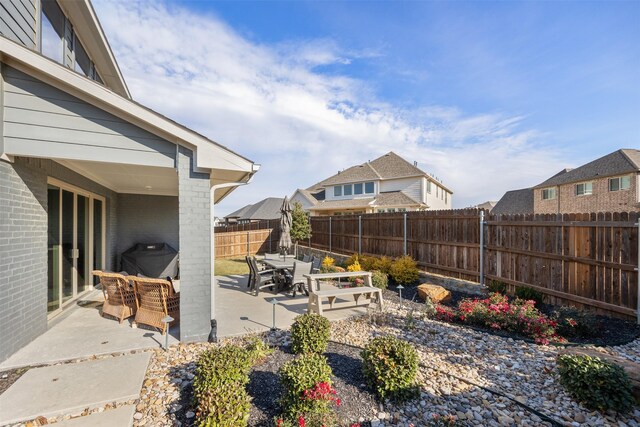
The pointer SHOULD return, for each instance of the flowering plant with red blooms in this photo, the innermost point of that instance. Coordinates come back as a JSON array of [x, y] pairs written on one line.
[[321, 391], [498, 313]]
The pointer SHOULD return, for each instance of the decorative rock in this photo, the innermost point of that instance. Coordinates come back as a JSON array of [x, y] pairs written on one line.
[[137, 416], [436, 293], [190, 414]]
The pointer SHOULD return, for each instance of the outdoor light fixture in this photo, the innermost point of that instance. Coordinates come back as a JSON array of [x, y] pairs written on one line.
[[400, 288], [274, 302], [166, 320]]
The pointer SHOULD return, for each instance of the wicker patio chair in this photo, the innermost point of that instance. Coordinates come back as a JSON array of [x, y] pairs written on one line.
[[156, 299], [119, 297]]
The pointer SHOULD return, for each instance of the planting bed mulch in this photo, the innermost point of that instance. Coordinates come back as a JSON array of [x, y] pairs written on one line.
[[7, 378], [611, 331], [356, 400]]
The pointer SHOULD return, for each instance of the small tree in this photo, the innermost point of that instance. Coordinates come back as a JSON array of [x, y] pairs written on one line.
[[300, 225]]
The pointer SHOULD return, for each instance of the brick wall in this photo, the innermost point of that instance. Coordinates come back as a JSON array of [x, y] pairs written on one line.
[[601, 200], [195, 249], [146, 219], [23, 245]]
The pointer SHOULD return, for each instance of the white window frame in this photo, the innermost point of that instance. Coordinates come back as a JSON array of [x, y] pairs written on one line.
[[584, 188], [344, 189], [355, 192], [620, 181], [550, 193], [373, 187], [337, 191], [428, 186]]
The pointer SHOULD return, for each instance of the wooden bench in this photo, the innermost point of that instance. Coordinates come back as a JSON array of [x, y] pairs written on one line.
[[316, 295]]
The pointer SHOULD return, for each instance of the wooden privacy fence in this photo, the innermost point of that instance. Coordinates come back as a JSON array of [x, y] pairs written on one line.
[[234, 244], [583, 259]]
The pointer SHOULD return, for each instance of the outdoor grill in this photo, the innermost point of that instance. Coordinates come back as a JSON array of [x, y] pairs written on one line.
[[157, 260]]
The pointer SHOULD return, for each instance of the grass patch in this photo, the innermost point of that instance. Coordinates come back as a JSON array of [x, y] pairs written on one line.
[[227, 267]]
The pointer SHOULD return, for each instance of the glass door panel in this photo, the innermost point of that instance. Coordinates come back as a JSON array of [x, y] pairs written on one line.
[[68, 250], [82, 247], [53, 249], [97, 235]]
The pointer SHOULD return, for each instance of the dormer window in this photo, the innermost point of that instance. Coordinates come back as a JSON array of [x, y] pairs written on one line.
[[357, 188], [337, 191], [369, 187], [348, 190]]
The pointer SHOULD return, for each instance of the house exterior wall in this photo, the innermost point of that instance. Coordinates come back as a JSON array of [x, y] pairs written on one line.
[[18, 21], [59, 125], [146, 219], [412, 187], [436, 199], [299, 198], [194, 206], [601, 199], [23, 245]]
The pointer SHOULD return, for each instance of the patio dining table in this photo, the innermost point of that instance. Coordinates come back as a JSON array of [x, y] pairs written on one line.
[[280, 265]]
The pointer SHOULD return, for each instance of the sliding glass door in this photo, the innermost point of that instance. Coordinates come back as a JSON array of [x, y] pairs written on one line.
[[75, 242]]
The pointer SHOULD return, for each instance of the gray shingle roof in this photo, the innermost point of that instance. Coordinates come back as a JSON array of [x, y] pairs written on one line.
[[393, 198], [268, 208], [618, 162], [388, 166], [515, 202]]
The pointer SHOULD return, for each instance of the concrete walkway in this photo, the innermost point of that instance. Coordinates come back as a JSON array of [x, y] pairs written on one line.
[[239, 312], [68, 389], [84, 333]]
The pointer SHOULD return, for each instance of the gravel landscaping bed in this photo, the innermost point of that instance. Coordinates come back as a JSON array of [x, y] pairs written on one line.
[[611, 330], [7, 378]]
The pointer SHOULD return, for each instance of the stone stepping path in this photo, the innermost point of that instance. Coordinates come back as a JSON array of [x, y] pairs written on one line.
[[118, 417], [73, 387]]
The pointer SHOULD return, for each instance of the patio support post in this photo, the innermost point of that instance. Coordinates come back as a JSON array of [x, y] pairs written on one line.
[[405, 232], [359, 234], [481, 248]]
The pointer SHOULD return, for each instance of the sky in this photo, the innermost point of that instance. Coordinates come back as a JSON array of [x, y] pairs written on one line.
[[487, 96]]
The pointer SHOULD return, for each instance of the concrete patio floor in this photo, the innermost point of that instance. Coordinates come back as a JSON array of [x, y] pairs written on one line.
[[239, 312], [82, 332]]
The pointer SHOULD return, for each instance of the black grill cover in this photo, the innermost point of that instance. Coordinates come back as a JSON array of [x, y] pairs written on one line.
[[157, 260]]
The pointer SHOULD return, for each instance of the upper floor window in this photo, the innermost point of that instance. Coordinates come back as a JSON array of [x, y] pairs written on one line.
[[548, 193], [446, 197], [52, 32], [584, 188], [82, 62], [348, 190], [428, 186], [357, 188], [368, 187], [619, 183], [337, 190]]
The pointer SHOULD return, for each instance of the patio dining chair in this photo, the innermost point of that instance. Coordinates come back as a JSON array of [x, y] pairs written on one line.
[[316, 262], [272, 256], [250, 279], [119, 297], [296, 282], [260, 278], [306, 258], [155, 299]]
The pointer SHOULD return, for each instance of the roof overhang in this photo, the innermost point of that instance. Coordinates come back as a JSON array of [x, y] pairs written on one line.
[[90, 32], [224, 165]]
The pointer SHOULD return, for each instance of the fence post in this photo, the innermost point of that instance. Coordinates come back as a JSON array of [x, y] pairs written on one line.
[[359, 234], [481, 248], [248, 243], [330, 235], [405, 233], [270, 234]]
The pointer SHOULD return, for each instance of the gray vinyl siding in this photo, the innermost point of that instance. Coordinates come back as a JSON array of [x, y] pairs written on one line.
[[23, 245], [18, 21], [42, 121], [147, 219]]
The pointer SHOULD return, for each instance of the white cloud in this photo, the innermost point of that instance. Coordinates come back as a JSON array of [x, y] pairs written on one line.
[[269, 103]]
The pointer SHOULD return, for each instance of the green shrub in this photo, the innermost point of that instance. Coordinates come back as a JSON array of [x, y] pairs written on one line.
[[596, 383], [310, 333], [390, 366], [573, 323], [530, 294], [495, 286], [257, 348], [404, 270], [382, 264], [219, 387], [304, 373], [367, 262], [351, 260], [379, 279], [329, 268]]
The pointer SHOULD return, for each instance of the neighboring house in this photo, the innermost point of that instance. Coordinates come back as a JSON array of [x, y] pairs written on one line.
[[607, 184], [86, 172], [515, 202], [386, 184], [487, 206], [266, 209]]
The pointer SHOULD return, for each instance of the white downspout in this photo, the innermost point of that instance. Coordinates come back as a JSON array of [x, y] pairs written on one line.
[[212, 333]]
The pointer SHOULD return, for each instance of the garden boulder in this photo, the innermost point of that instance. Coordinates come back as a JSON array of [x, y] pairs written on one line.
[[436, 293]]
